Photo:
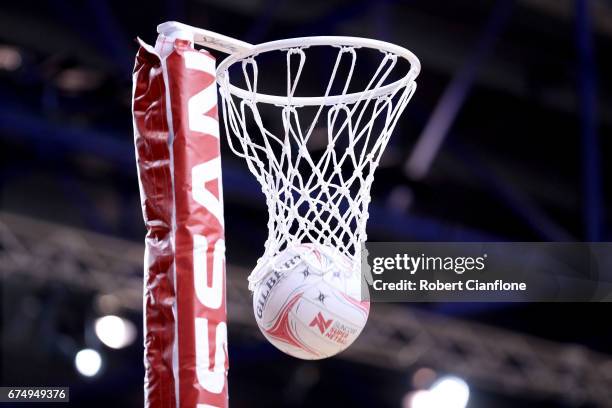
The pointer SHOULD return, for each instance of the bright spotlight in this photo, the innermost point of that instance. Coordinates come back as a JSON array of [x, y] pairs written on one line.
[[114, 331], [88, 362], [422, 399], [450, 392]]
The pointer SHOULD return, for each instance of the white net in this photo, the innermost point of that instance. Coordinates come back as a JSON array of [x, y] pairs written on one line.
[[317, 169]]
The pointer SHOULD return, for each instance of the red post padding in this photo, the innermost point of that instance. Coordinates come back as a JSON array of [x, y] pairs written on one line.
[[176, 134]]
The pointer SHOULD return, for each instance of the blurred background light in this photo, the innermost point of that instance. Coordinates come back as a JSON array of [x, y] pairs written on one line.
[[450, 392], [115, 332], [88, 362], [447, 392], [423, 378], [422, 399], [78, 79], [10, 58], [107, 304]]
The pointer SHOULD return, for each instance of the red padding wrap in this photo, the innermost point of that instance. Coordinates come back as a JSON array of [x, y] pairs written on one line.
[[176, 134]]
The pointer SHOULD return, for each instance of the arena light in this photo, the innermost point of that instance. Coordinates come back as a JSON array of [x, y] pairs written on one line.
[[450, 392], [423, 378], [447, 392], [114, 331], [78, 79], [10, 58], [88, 362], [422, 399]]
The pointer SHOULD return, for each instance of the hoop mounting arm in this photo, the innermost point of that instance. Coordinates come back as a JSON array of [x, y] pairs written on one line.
[[205, 38]]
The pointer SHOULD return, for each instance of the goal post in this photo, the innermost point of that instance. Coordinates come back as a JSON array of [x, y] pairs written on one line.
[[176, 136]]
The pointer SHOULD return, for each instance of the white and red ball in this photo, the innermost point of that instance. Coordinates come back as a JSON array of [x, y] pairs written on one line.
[[308, 302]]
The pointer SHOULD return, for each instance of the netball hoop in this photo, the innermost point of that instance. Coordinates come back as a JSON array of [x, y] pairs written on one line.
[[314, 155]]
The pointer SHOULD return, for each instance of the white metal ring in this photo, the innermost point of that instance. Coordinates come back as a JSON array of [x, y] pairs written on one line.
[[305, 42]]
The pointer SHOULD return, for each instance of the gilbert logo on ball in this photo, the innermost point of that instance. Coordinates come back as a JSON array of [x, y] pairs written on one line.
[[307, 303]]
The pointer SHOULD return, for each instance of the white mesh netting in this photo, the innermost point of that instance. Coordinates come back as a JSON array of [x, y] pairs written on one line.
[[317, 169]]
